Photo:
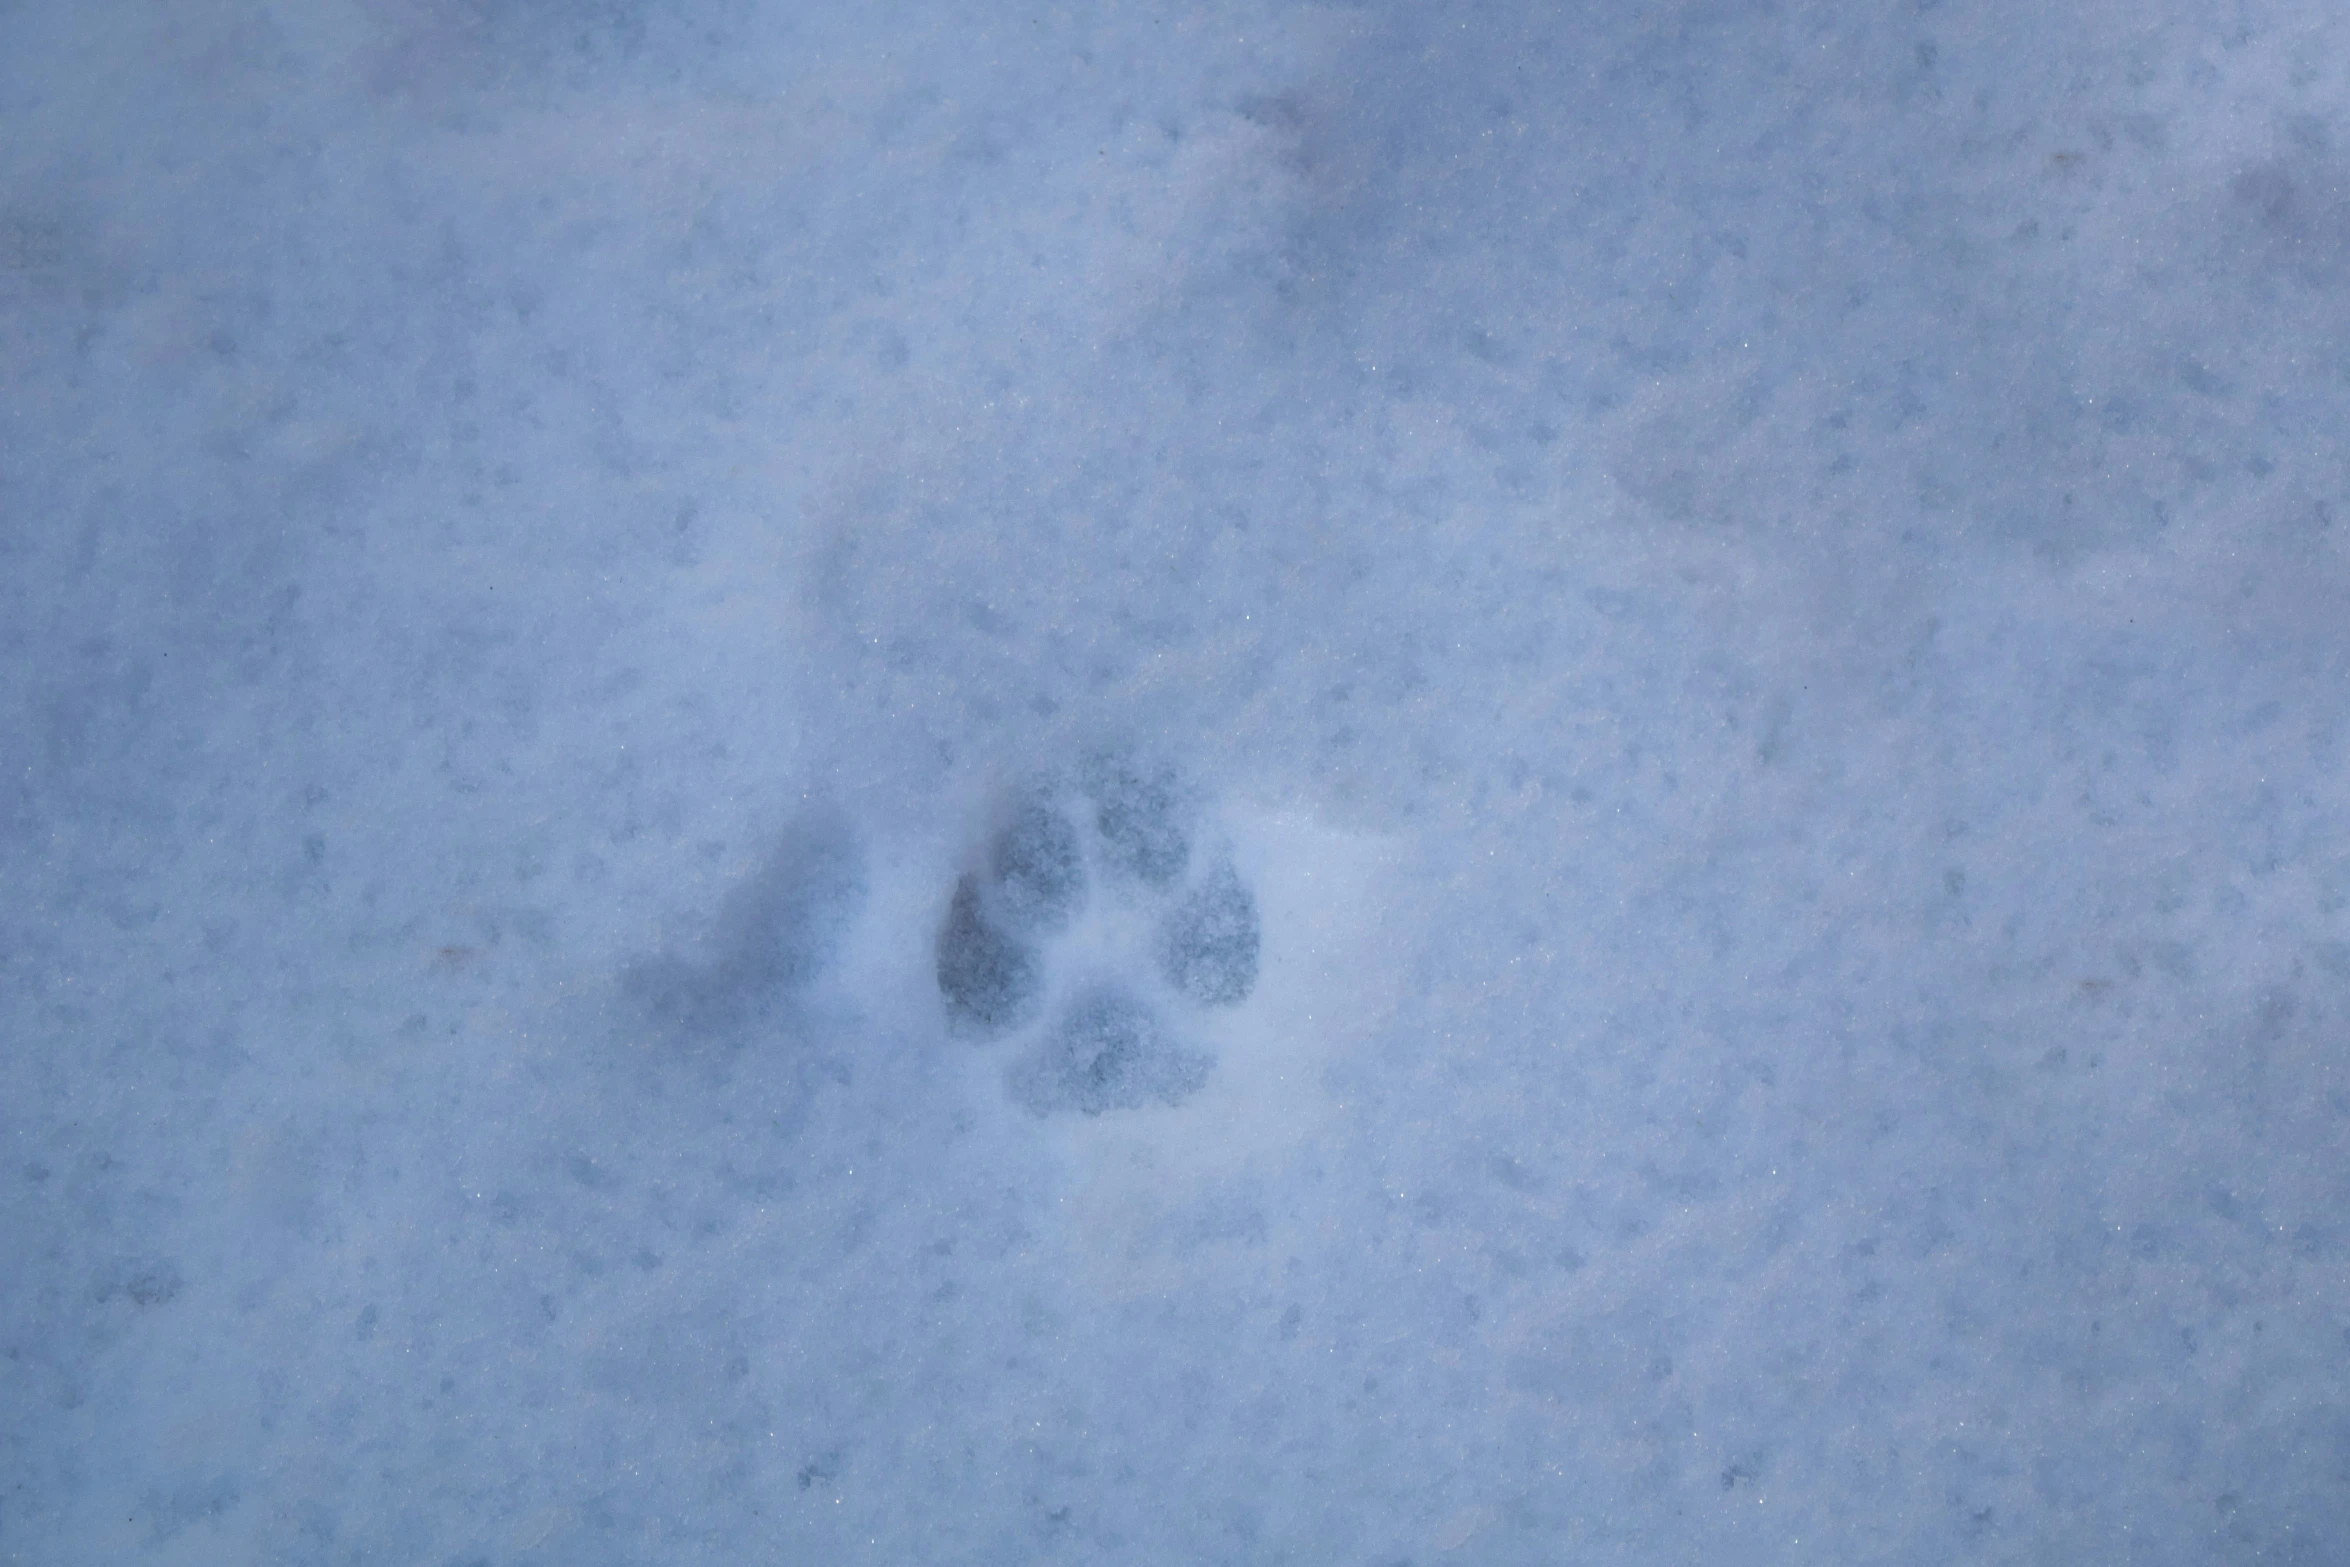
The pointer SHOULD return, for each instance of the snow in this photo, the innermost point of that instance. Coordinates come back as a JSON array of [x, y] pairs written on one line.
[[1752, 594]]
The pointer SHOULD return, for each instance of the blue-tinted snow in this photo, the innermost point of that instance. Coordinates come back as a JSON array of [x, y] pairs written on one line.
[[1755, 596]]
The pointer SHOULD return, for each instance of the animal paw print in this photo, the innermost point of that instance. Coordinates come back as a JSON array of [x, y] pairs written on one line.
[[1093, 904]]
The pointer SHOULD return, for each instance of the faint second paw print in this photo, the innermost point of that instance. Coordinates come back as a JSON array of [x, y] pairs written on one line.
[[1095, 911]]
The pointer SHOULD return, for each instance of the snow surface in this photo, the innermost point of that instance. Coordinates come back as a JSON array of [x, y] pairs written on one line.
[[1756, 595]]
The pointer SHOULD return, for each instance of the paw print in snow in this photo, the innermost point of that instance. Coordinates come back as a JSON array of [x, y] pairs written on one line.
[[991, 980], [1090, 904], [1139, 814], [1208, 942], [1108, 1051], [1039, 867]]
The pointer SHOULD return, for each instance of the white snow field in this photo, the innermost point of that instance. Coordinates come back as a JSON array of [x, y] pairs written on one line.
[[1344, 784]]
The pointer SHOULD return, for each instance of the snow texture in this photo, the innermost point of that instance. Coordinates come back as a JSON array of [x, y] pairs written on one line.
[[1261, 782]]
